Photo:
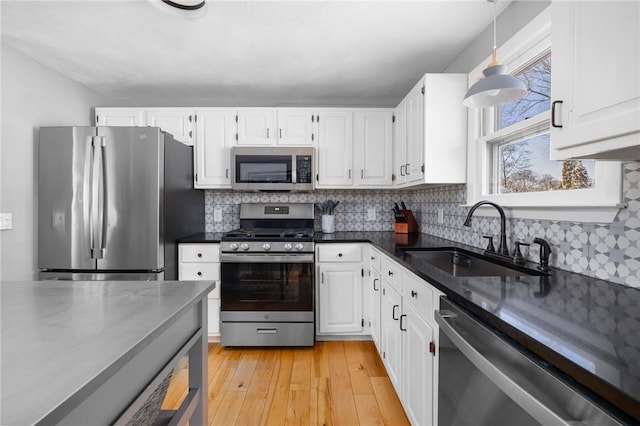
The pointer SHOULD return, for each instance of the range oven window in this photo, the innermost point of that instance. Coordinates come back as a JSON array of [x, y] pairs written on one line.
[[267, 287], [263, 168]]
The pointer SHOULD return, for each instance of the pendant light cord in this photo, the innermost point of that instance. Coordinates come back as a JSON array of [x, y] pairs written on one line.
[[494, 60]]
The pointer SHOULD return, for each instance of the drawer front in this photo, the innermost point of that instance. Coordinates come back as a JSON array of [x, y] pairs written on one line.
[[199, 272], [392, 273], [374, 259], [419, 294], [199, 252], [339, 253]]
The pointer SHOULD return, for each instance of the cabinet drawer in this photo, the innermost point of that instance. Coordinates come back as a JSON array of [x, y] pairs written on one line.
[[391, 272], [199, 252], [339, 253], [418, 293], [374, 259], [199, 272]]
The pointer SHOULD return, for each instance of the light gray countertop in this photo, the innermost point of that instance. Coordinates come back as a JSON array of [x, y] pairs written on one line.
[[60, 339]]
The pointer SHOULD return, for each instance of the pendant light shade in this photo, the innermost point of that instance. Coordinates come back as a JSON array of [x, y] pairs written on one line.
[[497, 87], [187, 9]]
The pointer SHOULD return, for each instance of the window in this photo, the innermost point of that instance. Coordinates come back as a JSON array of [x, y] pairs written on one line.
[[508, 155]]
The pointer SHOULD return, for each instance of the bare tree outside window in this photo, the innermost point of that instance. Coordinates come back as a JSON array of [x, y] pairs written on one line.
[[523, 165]]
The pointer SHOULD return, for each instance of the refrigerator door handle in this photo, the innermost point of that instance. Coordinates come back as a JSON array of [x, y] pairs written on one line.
[[97, 197], [93, 194], [102, 205]]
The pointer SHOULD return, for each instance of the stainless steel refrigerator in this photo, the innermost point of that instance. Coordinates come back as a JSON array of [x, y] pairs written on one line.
[[113, 201]]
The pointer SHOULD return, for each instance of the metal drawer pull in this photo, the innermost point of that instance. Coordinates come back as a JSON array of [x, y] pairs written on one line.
[[339, 254], [267, 331], [390, 273], [402, 316], [393, 312], [199, 254], [199, 273], [414, 293], [374, 284], [553, 114]]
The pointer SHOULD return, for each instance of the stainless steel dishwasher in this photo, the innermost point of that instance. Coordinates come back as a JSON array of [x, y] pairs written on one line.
[[485, 380]]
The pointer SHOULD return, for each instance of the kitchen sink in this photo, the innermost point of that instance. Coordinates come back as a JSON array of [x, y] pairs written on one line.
[[461, 263]]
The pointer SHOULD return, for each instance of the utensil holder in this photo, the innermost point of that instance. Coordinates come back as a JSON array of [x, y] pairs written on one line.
[[408, 227], [328, 224]]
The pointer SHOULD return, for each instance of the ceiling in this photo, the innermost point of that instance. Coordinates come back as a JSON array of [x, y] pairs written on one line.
[[244, 53]]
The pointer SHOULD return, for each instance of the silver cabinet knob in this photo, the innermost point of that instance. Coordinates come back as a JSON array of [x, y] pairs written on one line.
[[266, 246], [244, 246]]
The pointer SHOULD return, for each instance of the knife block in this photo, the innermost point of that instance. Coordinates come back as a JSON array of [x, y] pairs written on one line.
[[408, 227]]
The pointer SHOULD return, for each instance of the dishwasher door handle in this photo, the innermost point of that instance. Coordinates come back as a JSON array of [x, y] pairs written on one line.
[[519, 395]]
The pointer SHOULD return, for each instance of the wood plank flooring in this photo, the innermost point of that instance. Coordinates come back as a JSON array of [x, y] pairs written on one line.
[[331, 384]]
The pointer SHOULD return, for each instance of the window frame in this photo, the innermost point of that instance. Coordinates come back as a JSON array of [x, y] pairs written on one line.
[[599, 204]]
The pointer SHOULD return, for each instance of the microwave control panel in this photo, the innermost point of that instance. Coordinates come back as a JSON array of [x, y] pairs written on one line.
[[304, 169]]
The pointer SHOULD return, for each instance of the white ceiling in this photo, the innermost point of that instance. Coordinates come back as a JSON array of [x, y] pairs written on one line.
[[360, 53]]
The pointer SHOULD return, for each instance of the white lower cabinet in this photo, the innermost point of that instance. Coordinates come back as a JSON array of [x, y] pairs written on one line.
[[339, 284], [374, 288], [201, 262], [417, 367], [408, 339]]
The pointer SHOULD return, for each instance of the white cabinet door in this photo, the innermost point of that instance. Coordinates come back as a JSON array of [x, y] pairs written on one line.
[[177, 121], [596, 64], [296, 126], [415, 134], [375, 290], [213, 320], [390, 311], [400, 143], [417, 368], [340, 298], [214, 136], [120, 117], [257, 126], [373, 161], [335, 148]]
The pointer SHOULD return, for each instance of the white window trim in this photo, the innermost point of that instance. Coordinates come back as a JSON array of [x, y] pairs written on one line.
[[600, 204]]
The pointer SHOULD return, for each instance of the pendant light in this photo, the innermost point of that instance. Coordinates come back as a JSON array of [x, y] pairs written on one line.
[[497, 87]]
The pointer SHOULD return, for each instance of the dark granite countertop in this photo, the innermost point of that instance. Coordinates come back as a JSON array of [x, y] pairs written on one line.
[[587, 330]]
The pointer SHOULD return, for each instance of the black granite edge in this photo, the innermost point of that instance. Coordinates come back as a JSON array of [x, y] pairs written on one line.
[[392, 244], [202, 237]]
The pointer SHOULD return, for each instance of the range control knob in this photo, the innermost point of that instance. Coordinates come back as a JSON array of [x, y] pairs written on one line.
[[233, 246], [266, 246], [287, 247], [299, 246], [244, 246]]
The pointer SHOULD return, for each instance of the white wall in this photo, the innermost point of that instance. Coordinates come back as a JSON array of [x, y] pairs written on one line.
[[32, 96]]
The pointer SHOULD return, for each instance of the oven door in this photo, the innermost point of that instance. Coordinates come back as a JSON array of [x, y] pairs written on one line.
[[266, 282]]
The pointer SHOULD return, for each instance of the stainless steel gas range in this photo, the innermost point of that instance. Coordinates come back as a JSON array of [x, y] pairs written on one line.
[[267, 268]]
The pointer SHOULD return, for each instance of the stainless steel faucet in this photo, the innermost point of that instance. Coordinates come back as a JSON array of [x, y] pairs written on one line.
[[502, 247]]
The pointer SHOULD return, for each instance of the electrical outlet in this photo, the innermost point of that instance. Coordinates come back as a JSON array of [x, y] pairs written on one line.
[[371, 214], [217, 215], [6, 221], [441, 215]]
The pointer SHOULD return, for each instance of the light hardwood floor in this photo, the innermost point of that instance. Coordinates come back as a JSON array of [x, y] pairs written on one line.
[[333, 383]]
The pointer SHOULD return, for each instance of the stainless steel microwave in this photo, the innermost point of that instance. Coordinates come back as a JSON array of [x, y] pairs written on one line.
[[272, 168]]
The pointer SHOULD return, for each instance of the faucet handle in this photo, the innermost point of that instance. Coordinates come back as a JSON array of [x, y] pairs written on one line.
[[517, 254], [490, 248]]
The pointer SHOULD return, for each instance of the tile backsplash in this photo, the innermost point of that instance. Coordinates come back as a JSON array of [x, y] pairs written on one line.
[[607, 251]]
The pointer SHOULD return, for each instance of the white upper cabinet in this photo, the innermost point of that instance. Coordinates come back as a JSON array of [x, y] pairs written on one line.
[[276, 126], [373, 160], [430, 132], [256, 126], [296, 126], [120, 117], [595, 80], [177, 121], [216, 128], [335, 148]]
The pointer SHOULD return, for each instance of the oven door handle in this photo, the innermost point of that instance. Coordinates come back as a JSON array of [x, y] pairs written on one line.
[[447, 321], [266, 258]]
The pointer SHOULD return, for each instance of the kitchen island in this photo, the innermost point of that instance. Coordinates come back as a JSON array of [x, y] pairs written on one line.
[[92, 352]]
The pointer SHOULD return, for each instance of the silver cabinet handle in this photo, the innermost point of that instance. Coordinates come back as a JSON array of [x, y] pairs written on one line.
[[280, 133], [322, 277], [407, 169], [374, 284], [361, 173], [267, 133], [226, 173], [401, 170], [267, 330], [349, 173], [393, 312], [402, 316]]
